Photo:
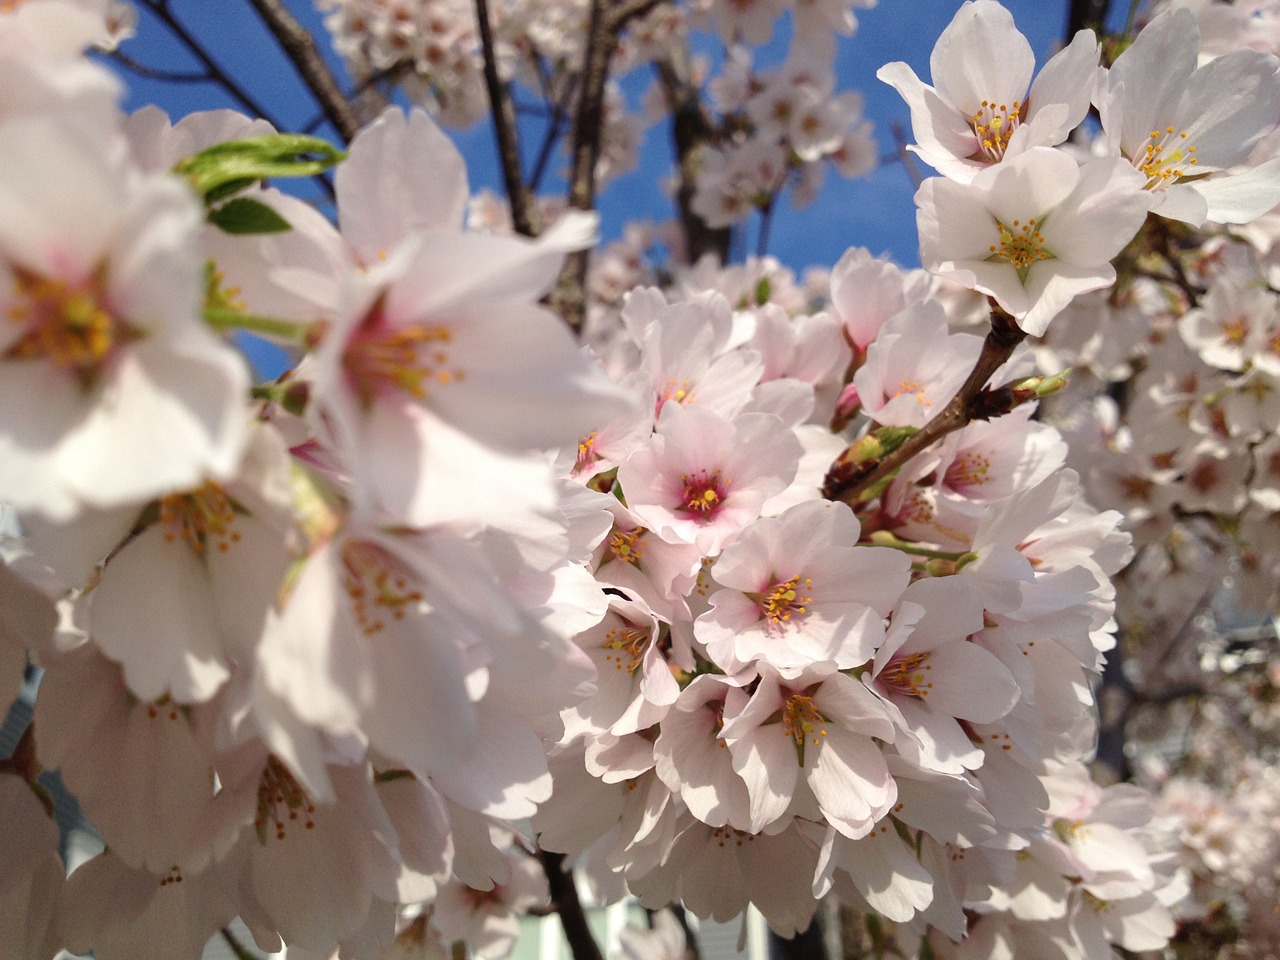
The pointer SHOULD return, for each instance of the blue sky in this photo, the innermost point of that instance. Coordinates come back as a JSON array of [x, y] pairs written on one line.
[[875, 211]]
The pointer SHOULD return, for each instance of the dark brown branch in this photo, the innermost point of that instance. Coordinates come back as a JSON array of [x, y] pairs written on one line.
[[692, 133], [523, 214], [965, 406], [565, 900], [300, 47], [627, 10]]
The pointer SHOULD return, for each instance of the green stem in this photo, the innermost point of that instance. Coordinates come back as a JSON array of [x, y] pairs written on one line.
[[222, 319], [883, 538]]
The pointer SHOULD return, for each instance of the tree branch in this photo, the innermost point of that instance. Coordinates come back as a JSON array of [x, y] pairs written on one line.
[[160, 8], [565, 900], [300, 47], [849, 485], [692, 132], [524, 216]]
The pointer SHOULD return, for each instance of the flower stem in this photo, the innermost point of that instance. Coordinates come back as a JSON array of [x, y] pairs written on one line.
[[222, 319]]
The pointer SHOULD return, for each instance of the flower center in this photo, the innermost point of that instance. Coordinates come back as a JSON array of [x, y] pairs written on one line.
[[65, 324], [382, 360], [970, 469], [704, 493], [803, 723], [1165, 158], [787, 599], [281, 801], [681, 393], [993, 124], [200, 518], [1021, 245], [377, 583], [909, 675], [586, 453], [626, 646], [625, 545]]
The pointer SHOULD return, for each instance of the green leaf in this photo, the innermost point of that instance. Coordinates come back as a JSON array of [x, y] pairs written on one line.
[[243, 215], [227, 168]]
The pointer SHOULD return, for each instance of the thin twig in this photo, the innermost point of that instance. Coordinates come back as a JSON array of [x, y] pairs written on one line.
[[300, 47], [366, 84], [1001, 339], [156, 73], [524, 216], [567, 903], [160, 8], [626, 11]]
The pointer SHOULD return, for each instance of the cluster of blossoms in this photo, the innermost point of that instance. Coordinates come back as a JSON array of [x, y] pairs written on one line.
[[773, 129], [338, 654]]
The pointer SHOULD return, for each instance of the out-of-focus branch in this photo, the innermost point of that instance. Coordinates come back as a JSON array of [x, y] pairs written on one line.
[[565, 900], [605, 23], [300, 47], [692, 133], [160, 8], [966, 406], [524, 216]]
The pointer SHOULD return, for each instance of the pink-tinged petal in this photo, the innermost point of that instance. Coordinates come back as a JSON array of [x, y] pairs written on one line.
[[885, 871], [953, 224], [999, 280], [693, 761], [153, 613], [971, 683], [424, 470], [765, 759], [449, 270], [850, 781], [385, 192], [851, 705], [1154, 72], [949, 809], [1067, 79], [1229, 105], [982, 56], [521, 381], [504, 775], [60, 197], [155, 278], [941, 745], [307, 657], [1052, 285], [1136, 923], [1103, 212], [1028, 185], [165, 422], [940, 129], [1233, 197]]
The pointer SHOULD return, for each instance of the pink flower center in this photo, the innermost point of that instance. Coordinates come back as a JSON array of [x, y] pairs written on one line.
[[381, 360], [281, 801], [586, 453], [786, 600], [378, 585], [201, 518], [970, 469], [909, 675], [65, 324], [703, 494]]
